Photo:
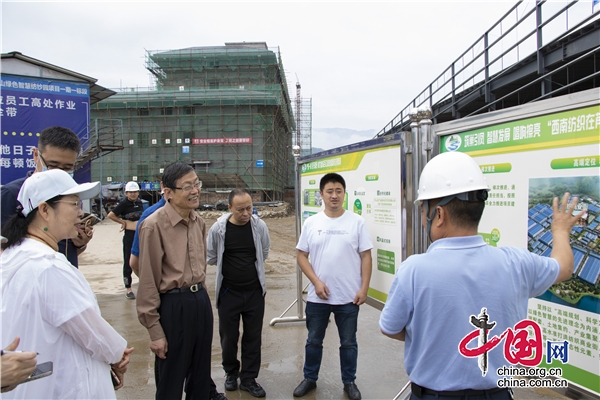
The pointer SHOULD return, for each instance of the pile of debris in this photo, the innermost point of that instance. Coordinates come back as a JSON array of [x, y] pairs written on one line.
[[265, 210]]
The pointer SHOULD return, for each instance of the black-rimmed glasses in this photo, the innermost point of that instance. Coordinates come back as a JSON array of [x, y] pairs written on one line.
[[68, 171]]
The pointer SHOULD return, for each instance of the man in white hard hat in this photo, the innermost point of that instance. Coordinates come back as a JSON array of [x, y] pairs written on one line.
[[127, 213], [441, 297]]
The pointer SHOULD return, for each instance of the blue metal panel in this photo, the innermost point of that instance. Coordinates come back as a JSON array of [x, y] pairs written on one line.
[[593, 209], [591, 269], [534, 230], [578, 255], [547, 252], [547, 238]]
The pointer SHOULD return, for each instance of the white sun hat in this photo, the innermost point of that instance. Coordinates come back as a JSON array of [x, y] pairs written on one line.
[[43, 186]]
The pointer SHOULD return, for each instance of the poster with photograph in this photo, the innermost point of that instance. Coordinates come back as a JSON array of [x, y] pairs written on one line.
[[527, 163]]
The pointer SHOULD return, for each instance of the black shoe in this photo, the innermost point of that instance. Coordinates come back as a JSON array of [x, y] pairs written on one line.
[[304, 387], [231, 382], [253, 388], [352, 391], [217, 396]]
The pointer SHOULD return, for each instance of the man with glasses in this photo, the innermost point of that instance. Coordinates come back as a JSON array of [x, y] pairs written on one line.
[[58, 148], [172, 302], [238, 243], [134, 263]]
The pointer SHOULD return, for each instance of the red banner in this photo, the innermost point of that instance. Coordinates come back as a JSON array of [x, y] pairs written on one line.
[[222, 141]]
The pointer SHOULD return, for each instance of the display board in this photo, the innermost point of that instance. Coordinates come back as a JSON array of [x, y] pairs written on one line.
[[27, 107], [527, 162], [373, 190]]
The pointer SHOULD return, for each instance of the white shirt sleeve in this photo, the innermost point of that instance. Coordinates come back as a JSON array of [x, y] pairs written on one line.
[[303, 240], [70, 304], [96, 336], [364, 239]]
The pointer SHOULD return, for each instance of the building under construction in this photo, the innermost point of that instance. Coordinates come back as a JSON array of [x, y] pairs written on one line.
[[225, 110]]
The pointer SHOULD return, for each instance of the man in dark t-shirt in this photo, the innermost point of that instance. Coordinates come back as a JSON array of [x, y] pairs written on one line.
[[127, 213], [238, 243]]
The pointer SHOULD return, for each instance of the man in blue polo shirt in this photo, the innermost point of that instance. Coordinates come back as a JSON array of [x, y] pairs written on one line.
[[435, 297]]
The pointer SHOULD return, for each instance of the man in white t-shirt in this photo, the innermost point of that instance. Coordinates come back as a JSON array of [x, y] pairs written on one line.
[[339, 246]]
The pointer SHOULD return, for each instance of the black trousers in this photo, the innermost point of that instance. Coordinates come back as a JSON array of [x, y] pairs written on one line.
[[501, 395], [127, 244], [187, 320], [250, 306]]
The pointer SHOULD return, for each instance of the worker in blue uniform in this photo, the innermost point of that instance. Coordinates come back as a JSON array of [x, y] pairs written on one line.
[[461, 285]]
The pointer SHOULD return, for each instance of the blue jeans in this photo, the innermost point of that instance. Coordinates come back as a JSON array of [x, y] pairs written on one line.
[[317, 318]]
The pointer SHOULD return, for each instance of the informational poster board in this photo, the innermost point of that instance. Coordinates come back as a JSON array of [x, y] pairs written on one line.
[[373, 190], [527, 162], [27, 107]]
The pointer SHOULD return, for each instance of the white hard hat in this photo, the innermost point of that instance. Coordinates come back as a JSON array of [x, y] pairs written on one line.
[[43, 186], [449, 174], [132, 187]]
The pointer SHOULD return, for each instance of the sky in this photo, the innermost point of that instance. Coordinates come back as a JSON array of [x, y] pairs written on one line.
[[360, 62]]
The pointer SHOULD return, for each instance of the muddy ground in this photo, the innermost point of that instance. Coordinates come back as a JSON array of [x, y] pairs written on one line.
[[380, 372]]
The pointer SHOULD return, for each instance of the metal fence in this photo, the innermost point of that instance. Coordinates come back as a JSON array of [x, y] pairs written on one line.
[[522, 33]]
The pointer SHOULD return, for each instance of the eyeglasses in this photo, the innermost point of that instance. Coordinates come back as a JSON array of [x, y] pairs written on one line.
[[188, 188], [45, 164], [76, 204]]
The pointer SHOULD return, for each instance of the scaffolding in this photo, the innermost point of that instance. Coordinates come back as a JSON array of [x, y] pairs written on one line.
[[225, 110], [303, 114]]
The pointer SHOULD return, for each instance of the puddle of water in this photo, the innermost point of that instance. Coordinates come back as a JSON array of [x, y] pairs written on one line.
[[286, 365]]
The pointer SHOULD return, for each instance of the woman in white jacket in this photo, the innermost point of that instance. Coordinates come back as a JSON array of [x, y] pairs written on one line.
[[49, 303]]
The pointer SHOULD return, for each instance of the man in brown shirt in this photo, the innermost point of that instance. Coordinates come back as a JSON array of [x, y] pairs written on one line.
[[172, 302]]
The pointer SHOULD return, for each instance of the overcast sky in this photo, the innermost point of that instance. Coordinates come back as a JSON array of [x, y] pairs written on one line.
[[360, 62]]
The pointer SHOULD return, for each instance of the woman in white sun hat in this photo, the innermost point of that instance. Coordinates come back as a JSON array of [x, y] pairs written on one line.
[[48, 303]]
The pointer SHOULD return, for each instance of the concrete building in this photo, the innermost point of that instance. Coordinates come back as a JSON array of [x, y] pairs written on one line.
[[225, 110]]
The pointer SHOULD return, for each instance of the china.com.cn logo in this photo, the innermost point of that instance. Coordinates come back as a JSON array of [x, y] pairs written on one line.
[[519, 346]]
